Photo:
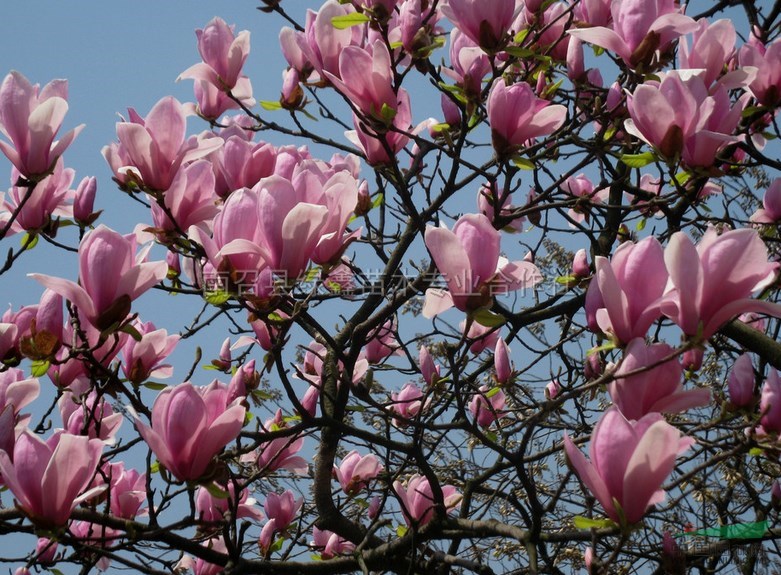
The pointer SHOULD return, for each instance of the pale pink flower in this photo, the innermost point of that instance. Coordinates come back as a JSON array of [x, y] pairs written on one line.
[[142, 360], [770, 212], [629, 463], [355, 472], [487, 405], [330, 544], [741, 381], [417, 499], [30, 118]]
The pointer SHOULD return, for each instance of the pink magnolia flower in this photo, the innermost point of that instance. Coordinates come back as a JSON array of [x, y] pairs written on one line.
[[242, 163], [417, 500], [485, 22], [713, 45], [428, 369], [142, 360], [502, 366], [223, 55], [382, 343], [658, 388], [582, 188], [30, 118], [770, 404], [408, 403], [682, 119], [85, 413], [487, 405], [552, 389], [355, 472], [479, 336], [47, 201], [190, 426], [378, 143], [469, 64], [84, 201], [640, 28], [111, 276], [740, 382], [580, 267], [127, 490], [488, 199], [629, 462], [770, 212], [712, 283], [468, 258], [213, 509], [330, 544], [623, 298], [282, 509], [190, 201], [17, 392], [766, 85], [152, 149], [46, 551], [517, 115], [49, 478], [280, 452]]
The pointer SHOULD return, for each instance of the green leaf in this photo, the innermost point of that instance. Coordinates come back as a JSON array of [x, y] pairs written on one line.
[[566, 280], [356, 408], [604, 347], [261, 395], [638, 160], [378, 200], [523, 163], [587, 523], [487, 318], [553, 87], [519, 52], [456, 91], [387, 113], [55, 571], [598, 50], [155, 386], [609, 133], [131, 331], [215, 491], [521, 36], [29, 241], [155, 467], [217, 297], [394, 45], [270, 105], [349, 20], [756, 451], [491, 392], [248, 416], [681, 178], [401, 530], [39, 367], [641, 225]]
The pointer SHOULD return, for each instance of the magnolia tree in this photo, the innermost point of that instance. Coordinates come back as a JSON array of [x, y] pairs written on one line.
[[533, 333]]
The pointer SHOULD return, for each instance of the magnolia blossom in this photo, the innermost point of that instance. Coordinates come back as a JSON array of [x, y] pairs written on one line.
[[111, 275], [408, 403], [468, 258], [640, 28], [152, 149], [623, 298], [629, 462], [487, 405], [680, 117], [30, 118], [86, 413], [485, 22], [36, 207], [741, 381], [656, 389], [143, 359], [766, 85], [282, 509], [280, 452], [517, 115], [770, 212], [223, 55], [428, 369], [356, 471], [190, 426], [708, 288], [770, 405], [49, 478], [213, 509], [417, 499], [330, 544]]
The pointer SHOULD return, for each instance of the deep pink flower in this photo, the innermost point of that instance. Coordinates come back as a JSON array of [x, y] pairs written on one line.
[[487, 405], [713, 283], [49, 478], [658, 388], [485, 22], [31, 119], [640, 28], [330, 544], [408, 403], [280, 452], [152, 149], [190, 426], [282, 509], [111, 276], [623, 298], [629, 463], [681, 118], [428, 369], [417, 499], [144, 359], [355, 472], [502, 365], [517, 115], [468, 258], [223, 55], [741, 382]]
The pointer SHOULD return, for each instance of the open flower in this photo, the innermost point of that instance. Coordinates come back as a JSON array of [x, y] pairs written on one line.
[[629, 462]]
